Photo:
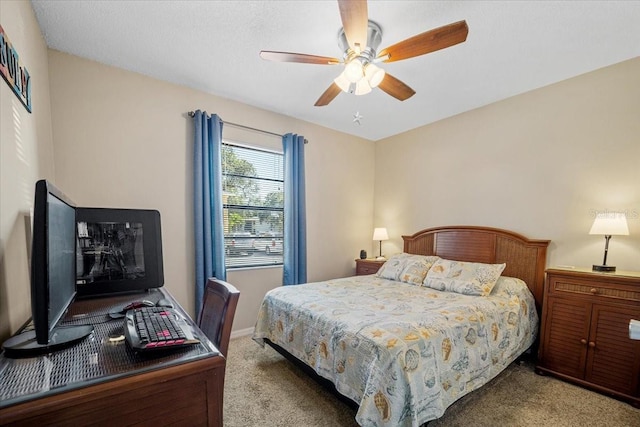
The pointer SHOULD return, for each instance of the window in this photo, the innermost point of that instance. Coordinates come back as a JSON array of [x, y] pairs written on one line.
[[253, 205]]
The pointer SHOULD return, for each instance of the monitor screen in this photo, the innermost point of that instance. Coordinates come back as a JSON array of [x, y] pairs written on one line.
[[110, 251], [53, 271], [119, 250], [60, 267]]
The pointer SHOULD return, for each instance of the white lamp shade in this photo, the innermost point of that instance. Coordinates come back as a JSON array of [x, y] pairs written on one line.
[[374, 75], [362, 87], [610, 223], [380, 234], [342, 82], [353, 70]]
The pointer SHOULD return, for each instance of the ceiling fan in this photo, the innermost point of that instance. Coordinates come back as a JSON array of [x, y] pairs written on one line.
[[359, 39]]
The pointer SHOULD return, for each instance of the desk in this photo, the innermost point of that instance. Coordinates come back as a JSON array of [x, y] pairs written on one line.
[[102, 382]]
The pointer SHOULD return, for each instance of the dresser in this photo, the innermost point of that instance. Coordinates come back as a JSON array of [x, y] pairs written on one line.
[[584, 331], [368, 266]]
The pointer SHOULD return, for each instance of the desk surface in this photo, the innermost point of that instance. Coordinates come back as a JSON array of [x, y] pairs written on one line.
[[97, 358]]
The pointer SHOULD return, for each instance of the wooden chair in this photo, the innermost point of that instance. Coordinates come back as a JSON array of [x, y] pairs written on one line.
[[218, 308]]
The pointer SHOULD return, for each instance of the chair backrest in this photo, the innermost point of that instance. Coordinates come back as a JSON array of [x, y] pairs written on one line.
[[218, 308]]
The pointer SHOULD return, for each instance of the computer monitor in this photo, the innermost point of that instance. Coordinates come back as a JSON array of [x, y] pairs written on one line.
[[53, 271], [119, 250]]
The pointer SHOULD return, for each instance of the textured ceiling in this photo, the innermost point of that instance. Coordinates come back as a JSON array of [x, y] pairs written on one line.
[[213, 46]]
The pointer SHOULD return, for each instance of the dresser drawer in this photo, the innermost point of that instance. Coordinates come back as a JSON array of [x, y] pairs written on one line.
[[559, 286], [367, 266], [367, 269]]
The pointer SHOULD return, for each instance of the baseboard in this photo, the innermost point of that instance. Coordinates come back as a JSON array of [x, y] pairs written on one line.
[[242, 333]]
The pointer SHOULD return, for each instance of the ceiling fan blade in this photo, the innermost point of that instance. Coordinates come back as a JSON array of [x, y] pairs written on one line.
[[328, 95], [396, 88], [270, 55], [429, 41], [355, 21]]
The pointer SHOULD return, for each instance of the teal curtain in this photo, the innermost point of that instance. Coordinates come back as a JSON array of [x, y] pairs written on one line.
[[209, 234], [295, 222]]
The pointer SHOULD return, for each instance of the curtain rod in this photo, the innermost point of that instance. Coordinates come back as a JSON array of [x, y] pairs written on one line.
[[192, 113]]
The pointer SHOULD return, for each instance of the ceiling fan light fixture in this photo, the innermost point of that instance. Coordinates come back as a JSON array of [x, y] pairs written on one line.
[[359, 39], [374, 75], [362, 87], [343, 83], [353, 71]]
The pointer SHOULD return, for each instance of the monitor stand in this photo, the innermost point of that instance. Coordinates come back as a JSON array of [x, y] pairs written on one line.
[[26, 344]]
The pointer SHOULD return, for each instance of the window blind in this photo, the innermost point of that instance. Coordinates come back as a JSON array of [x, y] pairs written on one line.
[[253, 205]]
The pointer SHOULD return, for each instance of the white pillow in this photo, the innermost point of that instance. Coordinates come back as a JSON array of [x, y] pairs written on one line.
[[468, 278], [407, 268]]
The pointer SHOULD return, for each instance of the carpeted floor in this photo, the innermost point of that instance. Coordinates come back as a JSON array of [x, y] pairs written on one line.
[[264, 389]]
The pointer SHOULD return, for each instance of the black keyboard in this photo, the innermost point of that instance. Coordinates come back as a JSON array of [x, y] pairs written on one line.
[[156, 328]]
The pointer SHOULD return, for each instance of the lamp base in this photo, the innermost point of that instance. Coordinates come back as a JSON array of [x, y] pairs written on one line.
[[604, 268]]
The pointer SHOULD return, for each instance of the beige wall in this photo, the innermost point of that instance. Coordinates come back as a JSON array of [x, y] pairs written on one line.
[[540, 163], [26, 155], [124, 140]]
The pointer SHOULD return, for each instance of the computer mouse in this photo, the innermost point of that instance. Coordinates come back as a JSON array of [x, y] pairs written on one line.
[[137, 304], [119, 313], [164, 303]]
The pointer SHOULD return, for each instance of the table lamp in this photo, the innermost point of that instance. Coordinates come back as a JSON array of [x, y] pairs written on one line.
[[380, 234], [609, 224]]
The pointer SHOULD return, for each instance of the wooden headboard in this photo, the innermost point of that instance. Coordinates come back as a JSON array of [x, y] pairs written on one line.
[[525, 258]]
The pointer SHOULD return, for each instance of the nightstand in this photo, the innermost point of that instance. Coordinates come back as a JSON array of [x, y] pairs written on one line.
[[584, 331], [368, 266]]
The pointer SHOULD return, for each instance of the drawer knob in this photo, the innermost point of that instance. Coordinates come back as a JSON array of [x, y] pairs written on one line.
[[583, 341], [594, 291]]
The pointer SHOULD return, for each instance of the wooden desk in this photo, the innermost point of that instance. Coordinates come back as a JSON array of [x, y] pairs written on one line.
[[99, 382]]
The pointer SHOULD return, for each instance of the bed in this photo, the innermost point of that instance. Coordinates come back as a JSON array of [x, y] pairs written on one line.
[[408, 342]]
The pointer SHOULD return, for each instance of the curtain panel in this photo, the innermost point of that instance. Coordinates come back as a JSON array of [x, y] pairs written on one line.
[[295, 224], [208, 217]]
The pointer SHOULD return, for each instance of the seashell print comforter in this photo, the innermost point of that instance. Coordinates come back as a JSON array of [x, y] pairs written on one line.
[[403, 352]]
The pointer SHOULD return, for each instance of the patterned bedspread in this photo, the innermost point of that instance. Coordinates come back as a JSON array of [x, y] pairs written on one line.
[[404, 353]]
